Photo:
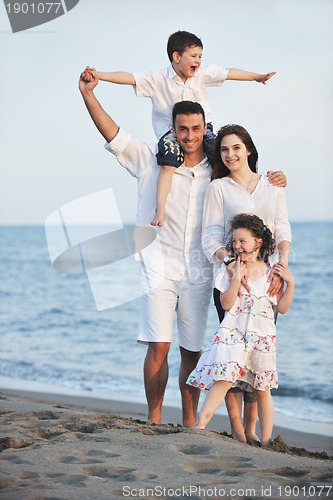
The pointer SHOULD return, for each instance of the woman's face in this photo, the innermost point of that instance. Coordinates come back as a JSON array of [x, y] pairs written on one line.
[[234, 154]]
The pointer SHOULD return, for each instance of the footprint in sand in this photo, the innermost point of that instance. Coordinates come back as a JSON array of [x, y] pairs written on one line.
[[120, 473], [289, 472], [218, 465], [8, 442], [89, 457]]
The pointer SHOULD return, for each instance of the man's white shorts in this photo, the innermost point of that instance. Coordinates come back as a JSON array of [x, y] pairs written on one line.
[[158, 306]]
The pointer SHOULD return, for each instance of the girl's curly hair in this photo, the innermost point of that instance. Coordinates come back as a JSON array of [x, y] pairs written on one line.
[[259, 230]]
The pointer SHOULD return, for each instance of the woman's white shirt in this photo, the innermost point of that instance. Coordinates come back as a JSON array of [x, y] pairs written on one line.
[[225, 199]]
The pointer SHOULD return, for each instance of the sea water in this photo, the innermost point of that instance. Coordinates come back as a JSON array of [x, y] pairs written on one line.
[[51, 331]]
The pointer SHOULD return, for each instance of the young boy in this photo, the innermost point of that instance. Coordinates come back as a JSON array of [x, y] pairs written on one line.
[[184, 79]]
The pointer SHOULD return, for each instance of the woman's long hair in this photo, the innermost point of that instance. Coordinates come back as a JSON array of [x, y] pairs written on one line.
[[219, 169]]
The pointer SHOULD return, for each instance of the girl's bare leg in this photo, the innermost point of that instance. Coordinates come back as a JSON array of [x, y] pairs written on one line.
[[212, 401], [266, 415]]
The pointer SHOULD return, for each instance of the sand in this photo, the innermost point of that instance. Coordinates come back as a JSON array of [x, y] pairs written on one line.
[[65, 447]]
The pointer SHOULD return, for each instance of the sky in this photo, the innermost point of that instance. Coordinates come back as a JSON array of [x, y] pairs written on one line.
[[50, 152]]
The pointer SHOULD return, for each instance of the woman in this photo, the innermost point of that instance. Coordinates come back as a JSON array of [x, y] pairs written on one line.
[[236, 187]]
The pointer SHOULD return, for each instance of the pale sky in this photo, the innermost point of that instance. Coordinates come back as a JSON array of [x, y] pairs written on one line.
[[51, 154]]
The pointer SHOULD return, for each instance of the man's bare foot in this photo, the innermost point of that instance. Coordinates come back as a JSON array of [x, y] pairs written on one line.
[[189, 423], [154, 421], [154, 417]]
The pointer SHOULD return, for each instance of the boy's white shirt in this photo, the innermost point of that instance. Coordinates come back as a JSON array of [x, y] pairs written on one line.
[[164, 87]]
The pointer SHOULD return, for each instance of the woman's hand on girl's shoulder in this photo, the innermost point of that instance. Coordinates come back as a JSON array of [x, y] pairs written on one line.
[[277, 178], [284, 273], [276, 285]]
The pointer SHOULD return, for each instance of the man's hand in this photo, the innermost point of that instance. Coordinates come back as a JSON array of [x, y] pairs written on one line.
[[89, 74], [86, 82], [277, 178], [263, 78]]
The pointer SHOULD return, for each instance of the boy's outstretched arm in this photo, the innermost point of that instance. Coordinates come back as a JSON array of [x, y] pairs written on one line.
[[119, 77], [248, 76]]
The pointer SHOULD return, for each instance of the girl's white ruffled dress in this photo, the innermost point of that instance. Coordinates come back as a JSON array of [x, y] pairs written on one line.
[[243, 350]]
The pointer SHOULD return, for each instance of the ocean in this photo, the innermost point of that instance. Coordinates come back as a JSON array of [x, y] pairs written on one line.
[[52, 333]]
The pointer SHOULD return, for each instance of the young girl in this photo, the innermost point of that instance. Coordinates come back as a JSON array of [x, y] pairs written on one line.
[[243, 350]]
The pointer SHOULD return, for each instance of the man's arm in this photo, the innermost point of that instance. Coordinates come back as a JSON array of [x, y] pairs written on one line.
[[248, 76], [104, 123]]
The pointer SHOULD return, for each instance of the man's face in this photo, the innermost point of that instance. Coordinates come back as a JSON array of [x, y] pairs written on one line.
[[189, 130]]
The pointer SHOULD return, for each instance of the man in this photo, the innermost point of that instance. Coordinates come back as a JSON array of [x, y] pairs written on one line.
[[182, 280]]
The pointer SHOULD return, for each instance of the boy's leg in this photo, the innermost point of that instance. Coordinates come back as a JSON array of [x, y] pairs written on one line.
[[169, 152], [170, 156], [163, 189], [209, 140]]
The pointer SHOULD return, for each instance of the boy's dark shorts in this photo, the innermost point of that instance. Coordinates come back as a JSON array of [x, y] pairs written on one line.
[[170, 152]]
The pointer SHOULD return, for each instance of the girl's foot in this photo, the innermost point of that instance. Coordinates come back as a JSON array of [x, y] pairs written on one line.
[[198, 426]]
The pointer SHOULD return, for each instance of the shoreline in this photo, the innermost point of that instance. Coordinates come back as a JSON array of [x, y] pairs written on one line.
[[281, 420], [312, 442]]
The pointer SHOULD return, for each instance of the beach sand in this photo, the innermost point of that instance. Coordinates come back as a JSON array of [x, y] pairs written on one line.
[[67, 447]]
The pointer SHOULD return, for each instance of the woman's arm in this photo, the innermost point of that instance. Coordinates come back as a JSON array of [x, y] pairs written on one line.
[[287, 295], [213, 225], [282, 236]]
